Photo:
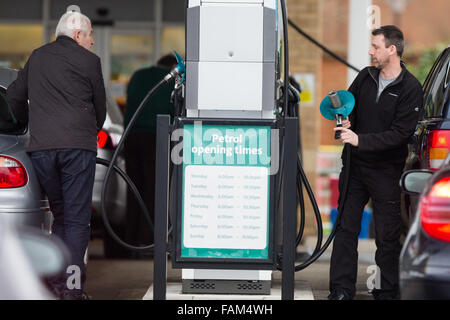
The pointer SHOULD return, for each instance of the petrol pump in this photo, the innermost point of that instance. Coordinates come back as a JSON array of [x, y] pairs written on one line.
[[228, 172]]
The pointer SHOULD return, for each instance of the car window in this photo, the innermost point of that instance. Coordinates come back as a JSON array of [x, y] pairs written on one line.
[[7, 76], [113, 110], [8, 123], [431, 75], [436, 87], [447, 76]]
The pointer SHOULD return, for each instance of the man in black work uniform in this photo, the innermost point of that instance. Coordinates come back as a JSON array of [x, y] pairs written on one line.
[[388, 104], [63, 83]]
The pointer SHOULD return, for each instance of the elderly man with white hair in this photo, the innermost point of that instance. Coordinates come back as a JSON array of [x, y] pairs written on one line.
[[63, 84], [77, 26]]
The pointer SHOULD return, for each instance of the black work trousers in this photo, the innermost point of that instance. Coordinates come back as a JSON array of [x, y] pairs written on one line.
[[382, 186]]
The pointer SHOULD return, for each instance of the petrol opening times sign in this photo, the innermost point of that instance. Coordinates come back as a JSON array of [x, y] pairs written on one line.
[[225, 209], [225, 198]]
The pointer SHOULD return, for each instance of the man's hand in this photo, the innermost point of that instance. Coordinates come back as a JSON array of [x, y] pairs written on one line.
[[348, 136], [346, 123]]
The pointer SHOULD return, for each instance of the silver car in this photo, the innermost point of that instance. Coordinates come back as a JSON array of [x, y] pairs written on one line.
[[22, 201], [21, 197], [27, 258]]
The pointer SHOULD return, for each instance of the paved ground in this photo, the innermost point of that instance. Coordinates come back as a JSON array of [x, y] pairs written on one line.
[[131, 279]]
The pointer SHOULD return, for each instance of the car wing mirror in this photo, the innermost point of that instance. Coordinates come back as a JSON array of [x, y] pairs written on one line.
[[47, 254], [414, 181]]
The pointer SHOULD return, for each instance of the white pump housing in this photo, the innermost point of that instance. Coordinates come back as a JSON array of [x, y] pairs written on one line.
[[232, 71], [231, 58]]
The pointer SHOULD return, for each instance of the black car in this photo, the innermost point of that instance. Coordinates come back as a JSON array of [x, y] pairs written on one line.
[[431, 142], [425, 257]]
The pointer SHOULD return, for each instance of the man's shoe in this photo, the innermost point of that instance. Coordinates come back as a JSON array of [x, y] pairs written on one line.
[[339, 294], [75, 296], [384, 294], [85, 296]]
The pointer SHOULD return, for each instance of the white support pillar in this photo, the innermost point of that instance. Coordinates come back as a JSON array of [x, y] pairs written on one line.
[[46, 32], [359, 36], [102, 36], [158, 7]]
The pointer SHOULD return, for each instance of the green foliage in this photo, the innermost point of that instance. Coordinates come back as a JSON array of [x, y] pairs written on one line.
[[426, 61]]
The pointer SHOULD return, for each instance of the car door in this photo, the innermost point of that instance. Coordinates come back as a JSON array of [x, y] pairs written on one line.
[[433, 131]]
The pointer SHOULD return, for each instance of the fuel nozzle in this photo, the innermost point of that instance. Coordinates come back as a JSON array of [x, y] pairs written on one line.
[[336, 103], [178, 72]]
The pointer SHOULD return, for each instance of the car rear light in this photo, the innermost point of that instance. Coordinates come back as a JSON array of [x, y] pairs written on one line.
[[435, 210], [107, 140], [12, 173], [102, 138], [438, 147]]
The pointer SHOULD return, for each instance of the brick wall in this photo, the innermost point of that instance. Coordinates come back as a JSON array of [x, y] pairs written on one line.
[[334, 78], [425, 23], [304, 57]]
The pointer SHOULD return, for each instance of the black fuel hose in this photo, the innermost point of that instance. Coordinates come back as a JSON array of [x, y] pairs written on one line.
[[331, 53], [301, 202], [316, 210], [301, 176], [111, 167], [136, 193], [285, 56], [318, 252]]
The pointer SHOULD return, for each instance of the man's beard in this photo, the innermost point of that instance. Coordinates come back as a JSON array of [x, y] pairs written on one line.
[[379, 64]]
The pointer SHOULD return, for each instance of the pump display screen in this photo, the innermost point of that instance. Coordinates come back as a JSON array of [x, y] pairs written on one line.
[[225, 191]]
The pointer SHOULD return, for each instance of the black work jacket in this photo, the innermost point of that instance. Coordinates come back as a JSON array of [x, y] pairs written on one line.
[[384, 125], [67, 105]]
